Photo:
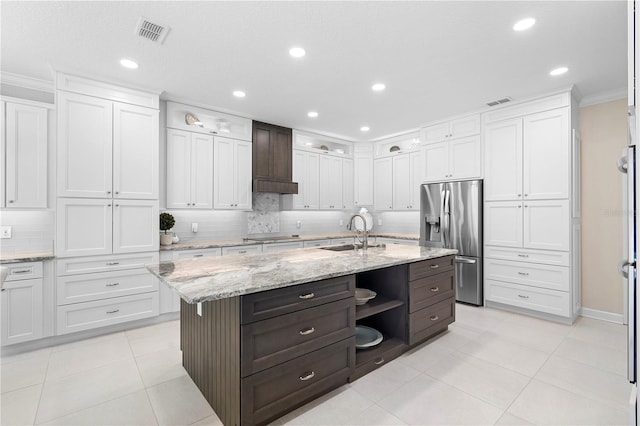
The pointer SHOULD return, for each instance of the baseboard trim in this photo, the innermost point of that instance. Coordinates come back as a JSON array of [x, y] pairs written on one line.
[[601, 315]]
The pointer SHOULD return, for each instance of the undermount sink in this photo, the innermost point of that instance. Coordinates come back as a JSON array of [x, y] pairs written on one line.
[[346, 247]]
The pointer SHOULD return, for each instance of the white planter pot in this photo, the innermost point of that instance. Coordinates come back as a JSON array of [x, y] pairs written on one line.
[[166, 239]]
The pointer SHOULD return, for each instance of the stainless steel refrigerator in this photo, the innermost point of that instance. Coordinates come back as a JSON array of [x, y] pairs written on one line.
[[451, 217]]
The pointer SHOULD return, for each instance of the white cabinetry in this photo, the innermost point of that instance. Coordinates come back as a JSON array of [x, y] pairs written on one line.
[[330, 182], [278, 247], [306, 171], [21, 299], [232, 174], [189, 170], [363, 175], [212, 122], [453, 160], [452, 129], [397, 181], [383, 184], [347, 184], [25, 148]]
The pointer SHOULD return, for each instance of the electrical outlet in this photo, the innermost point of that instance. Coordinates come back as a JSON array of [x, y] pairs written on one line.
[[194, 227], [5, 232], [379, 222], [298, 224], [341, 222]]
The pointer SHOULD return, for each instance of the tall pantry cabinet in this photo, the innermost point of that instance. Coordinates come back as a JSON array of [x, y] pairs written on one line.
[[531, 214], [107, 203]]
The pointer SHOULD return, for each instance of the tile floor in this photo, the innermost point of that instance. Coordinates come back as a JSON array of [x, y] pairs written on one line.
[[491, 367]]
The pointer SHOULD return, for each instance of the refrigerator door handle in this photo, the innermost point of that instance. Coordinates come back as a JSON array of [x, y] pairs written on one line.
[[446, 211], [622, 265], [621, 164], [464, 260]]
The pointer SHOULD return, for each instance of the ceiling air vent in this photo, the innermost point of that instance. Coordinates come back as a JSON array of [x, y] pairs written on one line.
[[499, 101], [151, 31]]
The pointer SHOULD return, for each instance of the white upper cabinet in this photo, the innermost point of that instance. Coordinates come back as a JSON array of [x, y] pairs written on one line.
[[189, 170], [401, 191], [383, 184], [106, 149], [363, 178], [503, 160], [452, 129], [437, 161], [211, 122], [453, 160], [26, 155], [330, 182], [306, 171], [232, 174], [347, 184]]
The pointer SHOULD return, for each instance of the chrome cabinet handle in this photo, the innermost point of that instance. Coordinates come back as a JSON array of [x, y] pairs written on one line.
[[434, 266], [307, 296], [113, 284], [11, 201], [113, 312], [379, 361], [21, 271], [242, 251], [523, 273], [523, 296], [307, 331], [435, 289], [112, 263], [523, 255], [108, 192], [198, 255], [308, 376], [434, 318]]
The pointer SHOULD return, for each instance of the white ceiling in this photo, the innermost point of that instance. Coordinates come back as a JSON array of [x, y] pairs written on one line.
[[436, 58]]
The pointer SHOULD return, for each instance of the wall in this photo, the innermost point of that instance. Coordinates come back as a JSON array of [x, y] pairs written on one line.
[[603, 129]]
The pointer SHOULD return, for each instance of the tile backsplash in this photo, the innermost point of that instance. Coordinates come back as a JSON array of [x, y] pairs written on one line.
[[31, 230]]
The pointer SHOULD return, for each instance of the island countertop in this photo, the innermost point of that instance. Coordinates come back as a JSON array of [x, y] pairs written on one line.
[[210, 278]]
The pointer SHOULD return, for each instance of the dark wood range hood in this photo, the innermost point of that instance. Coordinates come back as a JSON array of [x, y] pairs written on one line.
[[272, 159]]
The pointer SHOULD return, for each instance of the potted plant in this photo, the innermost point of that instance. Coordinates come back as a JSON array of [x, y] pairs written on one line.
[[166, 222]]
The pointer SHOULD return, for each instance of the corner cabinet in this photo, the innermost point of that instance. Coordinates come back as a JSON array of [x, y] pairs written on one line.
[[232, 174]]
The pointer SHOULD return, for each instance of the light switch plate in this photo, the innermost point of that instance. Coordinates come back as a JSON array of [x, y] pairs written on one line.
[[298, 224], [5, 232], [194, 227]]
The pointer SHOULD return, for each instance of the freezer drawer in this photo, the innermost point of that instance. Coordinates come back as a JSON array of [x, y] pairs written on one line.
[[468, 279]]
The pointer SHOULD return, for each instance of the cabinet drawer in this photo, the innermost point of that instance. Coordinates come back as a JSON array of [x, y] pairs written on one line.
[[268, 304], [85, 265], [427, 322], [102, 285], [241, 249], [383, 240], [340, 241], [559, 258], [278, 247], [24, 271], [192, 254], [273, 392], [531, 274], [89, 315], [536, 299], [317, 243], [430, 267], [276, 340], [429, 290]]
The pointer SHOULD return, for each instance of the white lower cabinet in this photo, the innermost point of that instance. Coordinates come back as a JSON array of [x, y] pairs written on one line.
[[245, 249], [532, 298], [103, 285], [278, 247], [531, 274], [22, 296], [384, 240], [316, 243]]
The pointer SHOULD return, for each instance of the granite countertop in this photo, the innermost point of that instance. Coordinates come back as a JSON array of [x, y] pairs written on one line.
[[190, 245], [211, 278], [32, 256]]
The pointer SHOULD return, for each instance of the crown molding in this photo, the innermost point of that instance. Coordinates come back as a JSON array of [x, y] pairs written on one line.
[[602, 97], [26, 82]]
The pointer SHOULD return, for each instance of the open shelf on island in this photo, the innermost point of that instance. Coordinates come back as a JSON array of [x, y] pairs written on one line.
[[372, 358], [375, 306]]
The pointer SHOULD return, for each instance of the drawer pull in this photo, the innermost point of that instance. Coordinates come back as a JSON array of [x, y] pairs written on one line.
[[114, 311], [198, 255], [242, 251], [112, 263], [307, 296], [307, 331], [434, 266], [434, 318], [523, 273], [308, 376], [523, 296], [435, 289], [523, 255], [379, 361], [113, 284], [21, 271]]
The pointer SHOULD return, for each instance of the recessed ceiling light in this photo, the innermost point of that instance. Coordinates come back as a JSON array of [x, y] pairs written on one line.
[[312, 114], [297, 52], [559, 71], [364, 128], [378, 87], [239, 94], [524, 24], [128, 63]]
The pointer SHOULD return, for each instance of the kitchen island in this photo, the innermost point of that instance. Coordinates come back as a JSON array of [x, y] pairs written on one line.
[[263, 334]]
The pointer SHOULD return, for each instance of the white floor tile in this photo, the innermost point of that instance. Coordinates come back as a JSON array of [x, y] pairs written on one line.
[[155, 330], [425, 401], [343, 404], [456, 337], [161, 366], [39, 353], [529, 336], [374, 416], [421, 357], [133, 409], [486, 381], [88, 342], [508, 419], [87, 389], [155, 338], [208, 421], [609, 359], [383, 381], [20, 406], [178, 402], [86, 357], [586, 380], [600, 333], [545, 404], [22, 373]]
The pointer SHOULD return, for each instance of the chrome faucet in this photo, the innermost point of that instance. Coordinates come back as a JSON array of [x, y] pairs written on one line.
[[365, 242]]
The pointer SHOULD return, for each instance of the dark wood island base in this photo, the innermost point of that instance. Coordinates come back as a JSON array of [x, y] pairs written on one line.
[[258, 356]]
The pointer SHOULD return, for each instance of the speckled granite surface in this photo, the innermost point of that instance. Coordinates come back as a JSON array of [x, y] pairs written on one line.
[[210, 278], [18, 257], [190, 245]]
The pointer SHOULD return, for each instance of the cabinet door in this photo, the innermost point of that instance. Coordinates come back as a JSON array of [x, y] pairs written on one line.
[[201, 171], [22, 311], [26, 156], [84, 146], [436, 162], [465, 126], [546, 155], [465, 158], [347, 183], [363, 179], [503, 161], [135, 152], [224, 174], [503, 223], [300, 172], [178, 169], [243, 154], [84, 227], [435, 133], [401, 182], [417, 166], [3, 140], [135, 226], [547, 225], [383, 184], [330, 182]]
